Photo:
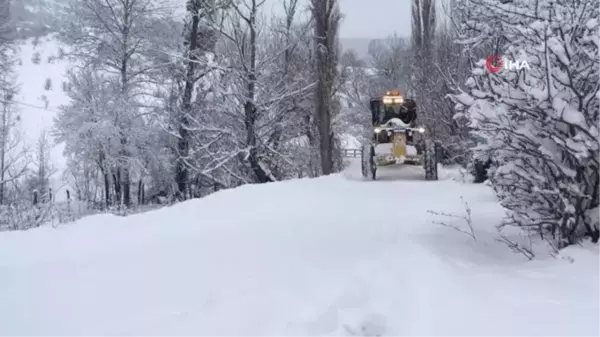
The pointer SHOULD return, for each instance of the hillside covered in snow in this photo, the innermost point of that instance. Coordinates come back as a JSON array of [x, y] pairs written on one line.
[[43, 86]]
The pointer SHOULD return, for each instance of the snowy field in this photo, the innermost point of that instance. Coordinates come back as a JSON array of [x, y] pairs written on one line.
[[37, 103], [328, 256]]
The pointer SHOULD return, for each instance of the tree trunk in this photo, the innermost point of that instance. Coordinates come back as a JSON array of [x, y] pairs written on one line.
[[107, 200], [183, 142], [313, 170], [140, 193], [124, 173], [106, 177], [126, 187], [326, 20], [117, 185], [249, 108], [423, 31], [3, 150]]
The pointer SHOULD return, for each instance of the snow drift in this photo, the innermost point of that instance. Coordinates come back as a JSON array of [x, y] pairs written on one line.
[[326, 256]]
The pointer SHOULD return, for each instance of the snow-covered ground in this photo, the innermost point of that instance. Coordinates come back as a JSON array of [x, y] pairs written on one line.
[[38, 104], [328, 256]]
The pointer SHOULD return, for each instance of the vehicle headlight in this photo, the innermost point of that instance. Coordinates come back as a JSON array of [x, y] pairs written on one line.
[[377, 130], [421, 130]]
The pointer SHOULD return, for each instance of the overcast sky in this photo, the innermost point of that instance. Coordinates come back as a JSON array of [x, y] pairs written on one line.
[[369, 18], [362, 18], [375, 18]]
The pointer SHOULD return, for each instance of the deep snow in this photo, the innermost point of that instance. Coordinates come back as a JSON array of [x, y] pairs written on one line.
[[328, 256]]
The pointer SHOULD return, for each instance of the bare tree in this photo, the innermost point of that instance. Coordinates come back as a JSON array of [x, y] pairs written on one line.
[[423, 33], [326, 17], [114, 35], [85, 124], [44, 168], [358, 85], [13, 159], [7, 44], [391, 59], [246, 117], [250, 108], [200, 39]]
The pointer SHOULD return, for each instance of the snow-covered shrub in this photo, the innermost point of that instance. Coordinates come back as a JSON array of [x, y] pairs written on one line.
[[22, 215], [540, 124], [36, 58]]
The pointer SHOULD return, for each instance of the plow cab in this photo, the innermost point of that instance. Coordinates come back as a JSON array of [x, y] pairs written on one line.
[[397, 139]]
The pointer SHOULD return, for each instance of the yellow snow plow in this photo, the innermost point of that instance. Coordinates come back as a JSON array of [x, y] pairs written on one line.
[[396, 138]]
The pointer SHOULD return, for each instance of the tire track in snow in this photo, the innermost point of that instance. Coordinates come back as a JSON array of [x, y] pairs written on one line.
[[415, 294], [410, 296]]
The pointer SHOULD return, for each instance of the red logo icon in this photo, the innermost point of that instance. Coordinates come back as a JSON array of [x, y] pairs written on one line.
[[494, 63]]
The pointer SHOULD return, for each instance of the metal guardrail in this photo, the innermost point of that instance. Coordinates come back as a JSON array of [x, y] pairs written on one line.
[[351, 153]]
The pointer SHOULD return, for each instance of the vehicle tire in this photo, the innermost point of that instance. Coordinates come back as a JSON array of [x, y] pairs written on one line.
[[430, 161]]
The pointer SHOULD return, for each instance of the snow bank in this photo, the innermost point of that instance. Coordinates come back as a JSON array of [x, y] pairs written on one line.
[[327, 256]]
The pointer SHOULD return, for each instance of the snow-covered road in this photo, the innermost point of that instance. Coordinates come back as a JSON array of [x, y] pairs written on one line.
[[328, 256]]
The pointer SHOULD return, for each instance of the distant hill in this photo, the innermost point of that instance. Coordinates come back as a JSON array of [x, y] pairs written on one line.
[[36, 18], [359, 45]]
